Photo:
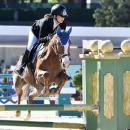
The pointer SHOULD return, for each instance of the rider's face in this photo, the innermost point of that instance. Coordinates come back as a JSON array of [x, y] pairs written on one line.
[[59, 19]]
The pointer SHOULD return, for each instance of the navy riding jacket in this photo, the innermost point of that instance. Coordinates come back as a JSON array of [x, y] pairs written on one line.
[[44, 27]]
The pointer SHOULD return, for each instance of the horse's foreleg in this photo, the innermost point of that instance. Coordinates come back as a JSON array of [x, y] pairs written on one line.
[[59, 87], [43, 78], [45, 92], [57, 90], [61, 79]]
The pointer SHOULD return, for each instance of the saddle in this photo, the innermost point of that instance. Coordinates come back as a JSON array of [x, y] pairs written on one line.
[[39, 50]]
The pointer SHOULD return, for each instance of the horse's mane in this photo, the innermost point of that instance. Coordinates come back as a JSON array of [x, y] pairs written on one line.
[[51, 44], [42, 50]]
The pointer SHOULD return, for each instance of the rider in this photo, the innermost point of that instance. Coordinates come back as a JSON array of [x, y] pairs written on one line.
[[41, 31]]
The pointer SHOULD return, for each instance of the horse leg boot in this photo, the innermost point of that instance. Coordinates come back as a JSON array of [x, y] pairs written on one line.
[[24, 62]]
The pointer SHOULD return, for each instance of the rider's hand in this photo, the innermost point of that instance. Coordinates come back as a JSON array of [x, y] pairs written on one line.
[[55, 38]]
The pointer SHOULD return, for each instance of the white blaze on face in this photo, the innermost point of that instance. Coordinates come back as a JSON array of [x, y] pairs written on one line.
[[66, 59], [66, 48]]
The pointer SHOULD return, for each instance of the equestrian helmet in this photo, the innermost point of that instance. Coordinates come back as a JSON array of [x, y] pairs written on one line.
[[59, 9]]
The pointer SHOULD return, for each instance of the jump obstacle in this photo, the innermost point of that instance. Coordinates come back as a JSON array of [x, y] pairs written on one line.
[[106, 82], [106, 87]]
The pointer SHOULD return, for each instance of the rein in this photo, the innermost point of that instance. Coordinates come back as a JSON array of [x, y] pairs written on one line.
[[54, 45], [65, 55], [57, 52]]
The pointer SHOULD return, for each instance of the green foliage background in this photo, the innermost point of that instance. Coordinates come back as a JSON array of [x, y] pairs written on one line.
[[113, 13]]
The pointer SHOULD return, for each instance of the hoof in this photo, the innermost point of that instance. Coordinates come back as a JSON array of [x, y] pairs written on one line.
[[18, 113], [28, 116]]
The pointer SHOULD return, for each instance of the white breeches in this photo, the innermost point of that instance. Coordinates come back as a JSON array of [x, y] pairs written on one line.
[[31, 40]]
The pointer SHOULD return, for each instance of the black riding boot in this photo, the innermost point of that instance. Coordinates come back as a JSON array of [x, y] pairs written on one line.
[[25, 60], [32, 52]]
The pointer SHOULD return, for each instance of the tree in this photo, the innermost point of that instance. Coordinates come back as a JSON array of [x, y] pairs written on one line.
[[113, 13]]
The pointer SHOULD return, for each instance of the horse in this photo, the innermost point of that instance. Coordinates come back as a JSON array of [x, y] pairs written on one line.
[[48, 69]]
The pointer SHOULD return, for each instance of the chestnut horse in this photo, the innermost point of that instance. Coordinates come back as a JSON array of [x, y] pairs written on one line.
[[47, 69]]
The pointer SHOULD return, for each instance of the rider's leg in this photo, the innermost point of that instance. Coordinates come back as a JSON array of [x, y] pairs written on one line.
[[23, 63], [32, 52], [32, 40]]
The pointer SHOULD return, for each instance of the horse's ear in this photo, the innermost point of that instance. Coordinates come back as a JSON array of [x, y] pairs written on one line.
[[69, 30], [58, 30]]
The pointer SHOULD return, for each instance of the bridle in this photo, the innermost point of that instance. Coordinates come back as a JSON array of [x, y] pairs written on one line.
[[57, 52]]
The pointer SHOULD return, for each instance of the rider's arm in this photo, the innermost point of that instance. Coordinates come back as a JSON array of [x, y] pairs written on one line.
[[45, 30], [42, 28]]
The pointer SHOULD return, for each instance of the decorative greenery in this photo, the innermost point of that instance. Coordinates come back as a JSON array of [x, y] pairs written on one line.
[[77, 79]]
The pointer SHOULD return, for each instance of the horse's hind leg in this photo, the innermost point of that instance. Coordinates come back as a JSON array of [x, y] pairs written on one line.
[[19, 94], [18, 83], [32, 94]]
